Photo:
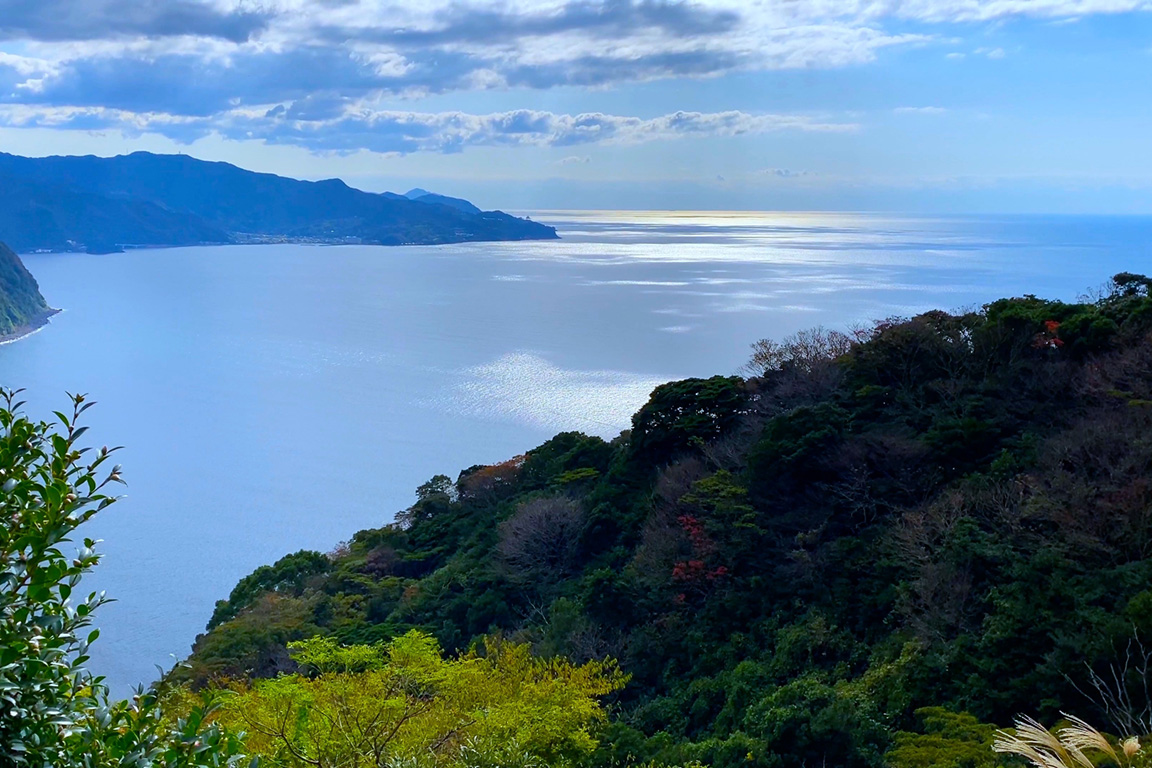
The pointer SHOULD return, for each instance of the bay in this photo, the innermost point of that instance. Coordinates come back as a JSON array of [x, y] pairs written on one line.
[[278, 397]]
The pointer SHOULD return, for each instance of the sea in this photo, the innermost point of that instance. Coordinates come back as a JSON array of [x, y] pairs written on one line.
[[272, 398]]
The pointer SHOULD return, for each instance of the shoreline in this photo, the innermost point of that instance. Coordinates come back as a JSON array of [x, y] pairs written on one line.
[[24, 331], [246, 239]]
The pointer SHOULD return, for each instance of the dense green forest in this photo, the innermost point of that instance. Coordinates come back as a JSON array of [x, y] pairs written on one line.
[[21, 305], [870, 551]]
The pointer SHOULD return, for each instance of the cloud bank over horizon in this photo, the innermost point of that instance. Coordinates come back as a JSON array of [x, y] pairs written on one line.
[[405, 132]]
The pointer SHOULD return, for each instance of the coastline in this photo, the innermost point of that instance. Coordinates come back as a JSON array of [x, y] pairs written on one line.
[[24, 331], [241, 238]]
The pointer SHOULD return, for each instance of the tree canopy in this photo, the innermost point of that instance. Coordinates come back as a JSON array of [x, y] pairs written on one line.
[[405, 703], [880, 543]]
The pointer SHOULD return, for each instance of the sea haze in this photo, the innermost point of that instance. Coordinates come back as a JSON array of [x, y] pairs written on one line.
[[279, 397]]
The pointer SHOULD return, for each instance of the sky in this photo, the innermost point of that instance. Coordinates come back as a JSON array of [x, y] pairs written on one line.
[[982, 106]]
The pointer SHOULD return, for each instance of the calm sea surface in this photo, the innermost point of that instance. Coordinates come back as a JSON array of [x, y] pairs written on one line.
[[279, 397]]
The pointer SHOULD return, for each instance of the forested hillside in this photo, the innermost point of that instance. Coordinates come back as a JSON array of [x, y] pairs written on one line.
[[853, 557], [103, 203], [21, 305]]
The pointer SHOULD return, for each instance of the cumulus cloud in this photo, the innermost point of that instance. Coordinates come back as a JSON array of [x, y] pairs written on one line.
[[66, 20], [201, 76], [480, 23], [393, 131], [991, 10], [304, 65]]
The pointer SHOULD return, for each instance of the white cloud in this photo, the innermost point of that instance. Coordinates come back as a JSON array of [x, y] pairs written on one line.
[[204, 63], [920, 110], [991, 10], [25, 66], [406, 132]]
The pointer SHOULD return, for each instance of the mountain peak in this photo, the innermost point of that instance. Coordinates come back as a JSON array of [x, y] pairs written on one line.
[[424, 196]]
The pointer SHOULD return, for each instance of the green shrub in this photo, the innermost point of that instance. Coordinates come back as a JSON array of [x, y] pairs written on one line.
[[53, 710]]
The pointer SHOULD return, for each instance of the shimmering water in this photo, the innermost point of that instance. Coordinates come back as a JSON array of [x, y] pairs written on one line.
[[273, 398]]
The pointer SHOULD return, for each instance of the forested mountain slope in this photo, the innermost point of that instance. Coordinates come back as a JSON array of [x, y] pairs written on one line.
[[945, 511], [21, 305], [43, 216], [149, 199]]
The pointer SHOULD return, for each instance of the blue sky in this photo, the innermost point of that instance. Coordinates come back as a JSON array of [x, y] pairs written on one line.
[[917, 105]]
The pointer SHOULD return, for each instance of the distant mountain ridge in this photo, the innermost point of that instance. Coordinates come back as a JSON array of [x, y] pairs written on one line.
[[424, 196], [22, 308], [52, 217], [98, 204]]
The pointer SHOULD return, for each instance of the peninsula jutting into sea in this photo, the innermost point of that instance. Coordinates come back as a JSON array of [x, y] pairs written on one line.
[[99, 204], [22, 308]]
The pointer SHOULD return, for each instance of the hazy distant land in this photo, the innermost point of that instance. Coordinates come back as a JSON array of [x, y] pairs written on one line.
[[102, 205]]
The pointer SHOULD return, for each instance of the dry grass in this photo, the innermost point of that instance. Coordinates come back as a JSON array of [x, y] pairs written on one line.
[[1072, 746]]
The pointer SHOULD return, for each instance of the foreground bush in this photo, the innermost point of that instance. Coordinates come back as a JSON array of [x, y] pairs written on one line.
[[53, 710]]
